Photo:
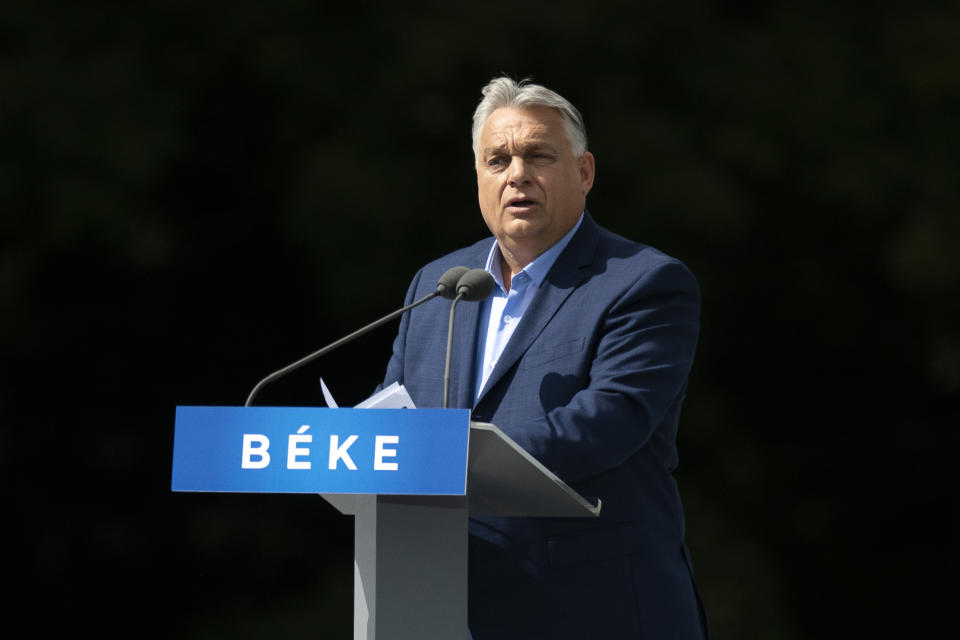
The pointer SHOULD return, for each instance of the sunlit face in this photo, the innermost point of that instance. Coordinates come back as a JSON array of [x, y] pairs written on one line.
[[530, 186]]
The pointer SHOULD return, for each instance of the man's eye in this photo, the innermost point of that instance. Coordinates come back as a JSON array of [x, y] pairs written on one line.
[[495, 162]]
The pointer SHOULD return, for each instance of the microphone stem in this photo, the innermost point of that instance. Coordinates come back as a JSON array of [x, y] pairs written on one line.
[[446, 368], [330, 347]]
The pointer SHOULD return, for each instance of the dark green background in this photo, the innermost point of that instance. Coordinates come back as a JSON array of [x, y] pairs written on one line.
[[194, 194]]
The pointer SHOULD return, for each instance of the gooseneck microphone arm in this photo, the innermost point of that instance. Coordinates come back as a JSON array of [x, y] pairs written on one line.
[[330, 347], [445, 288], [446, 366], [474, 285]]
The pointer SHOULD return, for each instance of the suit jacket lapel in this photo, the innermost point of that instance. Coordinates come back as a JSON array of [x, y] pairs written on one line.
[[566, 274]]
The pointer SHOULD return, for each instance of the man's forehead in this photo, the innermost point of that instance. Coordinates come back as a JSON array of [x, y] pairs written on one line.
[[533, 125]]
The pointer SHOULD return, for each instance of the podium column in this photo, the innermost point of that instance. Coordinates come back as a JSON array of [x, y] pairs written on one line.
[[410, 566]]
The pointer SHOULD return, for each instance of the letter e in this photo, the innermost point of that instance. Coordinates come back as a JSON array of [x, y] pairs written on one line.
[[293, 451], [380, 453]]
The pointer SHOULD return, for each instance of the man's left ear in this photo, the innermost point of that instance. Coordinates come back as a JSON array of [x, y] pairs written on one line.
[[587, 171]]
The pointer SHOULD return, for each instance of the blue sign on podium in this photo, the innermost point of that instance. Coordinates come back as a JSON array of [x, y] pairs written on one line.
[[320, 450]]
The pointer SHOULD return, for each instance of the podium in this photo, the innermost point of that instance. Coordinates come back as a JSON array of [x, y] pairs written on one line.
[[410, 545]]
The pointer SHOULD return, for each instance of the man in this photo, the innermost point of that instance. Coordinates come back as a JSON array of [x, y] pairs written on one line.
[[581, 357]]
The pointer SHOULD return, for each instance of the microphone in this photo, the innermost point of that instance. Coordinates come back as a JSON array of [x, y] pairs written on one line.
[[473, 286], [450, 281], [447, 287]]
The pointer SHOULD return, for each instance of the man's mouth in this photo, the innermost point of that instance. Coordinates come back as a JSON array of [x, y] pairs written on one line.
[[520, 203]]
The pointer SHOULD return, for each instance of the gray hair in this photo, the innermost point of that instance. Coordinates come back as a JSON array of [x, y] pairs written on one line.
[[504, 92]]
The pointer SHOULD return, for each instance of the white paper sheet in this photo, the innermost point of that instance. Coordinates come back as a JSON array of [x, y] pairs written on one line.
[[394, 396]]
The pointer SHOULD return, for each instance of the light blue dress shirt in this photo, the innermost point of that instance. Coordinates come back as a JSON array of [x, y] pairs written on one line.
[[502, 312]]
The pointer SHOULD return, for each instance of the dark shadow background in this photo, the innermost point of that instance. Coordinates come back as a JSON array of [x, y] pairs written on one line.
[[194, 194]]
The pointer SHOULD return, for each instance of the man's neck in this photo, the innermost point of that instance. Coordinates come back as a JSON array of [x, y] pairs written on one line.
[[514, 259], [511, 265], [507, 273]]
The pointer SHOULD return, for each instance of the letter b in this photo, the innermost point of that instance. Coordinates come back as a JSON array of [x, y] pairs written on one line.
[[255, 444]]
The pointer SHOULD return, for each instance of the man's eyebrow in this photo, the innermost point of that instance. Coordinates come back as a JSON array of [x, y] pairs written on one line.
[[538, 145], [524, 147], [494, 148]]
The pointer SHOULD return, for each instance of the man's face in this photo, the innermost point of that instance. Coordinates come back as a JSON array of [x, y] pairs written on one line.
[[530, 186]]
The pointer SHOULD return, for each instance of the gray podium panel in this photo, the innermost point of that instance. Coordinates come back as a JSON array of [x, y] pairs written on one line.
[[504, 480]]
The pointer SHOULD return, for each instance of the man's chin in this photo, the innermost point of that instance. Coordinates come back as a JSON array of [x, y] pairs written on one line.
[[523, 229]]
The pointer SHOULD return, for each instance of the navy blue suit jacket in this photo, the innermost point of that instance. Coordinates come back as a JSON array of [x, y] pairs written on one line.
[[591, 385]]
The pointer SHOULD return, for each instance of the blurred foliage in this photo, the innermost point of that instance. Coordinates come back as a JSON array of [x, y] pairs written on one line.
[[194, 195]]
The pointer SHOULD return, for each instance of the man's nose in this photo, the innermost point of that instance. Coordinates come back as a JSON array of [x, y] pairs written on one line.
[[517, 171]]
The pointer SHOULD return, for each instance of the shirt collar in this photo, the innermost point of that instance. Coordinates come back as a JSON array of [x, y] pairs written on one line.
[[538, 269]]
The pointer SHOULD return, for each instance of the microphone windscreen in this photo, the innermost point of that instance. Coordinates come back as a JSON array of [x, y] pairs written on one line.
[[447, 285], [475, 284]]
